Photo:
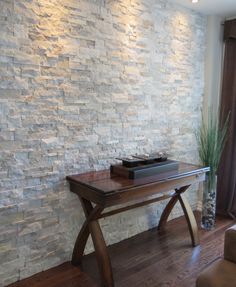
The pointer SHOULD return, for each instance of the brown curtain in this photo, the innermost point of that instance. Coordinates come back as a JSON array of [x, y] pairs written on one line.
[[226, 193]]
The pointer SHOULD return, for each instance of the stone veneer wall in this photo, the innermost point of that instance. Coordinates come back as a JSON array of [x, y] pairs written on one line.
[[81, 83]]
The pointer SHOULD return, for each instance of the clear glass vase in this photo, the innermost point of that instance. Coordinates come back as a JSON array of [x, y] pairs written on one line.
[[209, 203]]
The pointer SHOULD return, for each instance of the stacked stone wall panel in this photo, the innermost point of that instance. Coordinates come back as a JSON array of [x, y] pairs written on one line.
[[83, 82]]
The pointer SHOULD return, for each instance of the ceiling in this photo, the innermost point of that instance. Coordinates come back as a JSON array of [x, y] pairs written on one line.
[[224, 8]]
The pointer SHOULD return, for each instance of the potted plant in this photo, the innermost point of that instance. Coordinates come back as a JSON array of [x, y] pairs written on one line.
[[211, 139]]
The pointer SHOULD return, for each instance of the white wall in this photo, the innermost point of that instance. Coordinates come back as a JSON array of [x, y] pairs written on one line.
[[213, 70], [213, 63]]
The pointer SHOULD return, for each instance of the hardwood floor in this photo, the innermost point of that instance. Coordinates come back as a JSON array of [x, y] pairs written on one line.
[[150, 259]]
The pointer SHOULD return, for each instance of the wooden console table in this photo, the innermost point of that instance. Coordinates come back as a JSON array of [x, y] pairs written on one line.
[[98, 190]]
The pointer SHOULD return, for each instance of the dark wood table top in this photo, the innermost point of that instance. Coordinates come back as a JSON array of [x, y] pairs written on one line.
[[106, 183]]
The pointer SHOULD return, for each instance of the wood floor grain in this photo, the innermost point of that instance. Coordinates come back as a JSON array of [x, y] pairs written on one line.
[[150, 259]]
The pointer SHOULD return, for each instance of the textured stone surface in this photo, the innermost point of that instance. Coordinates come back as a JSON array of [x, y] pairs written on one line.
[[83, 82]]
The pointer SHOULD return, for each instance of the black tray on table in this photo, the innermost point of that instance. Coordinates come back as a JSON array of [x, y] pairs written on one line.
[[140, 166]]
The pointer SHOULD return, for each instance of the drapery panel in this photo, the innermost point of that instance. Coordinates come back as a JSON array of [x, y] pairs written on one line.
[[226, 191]]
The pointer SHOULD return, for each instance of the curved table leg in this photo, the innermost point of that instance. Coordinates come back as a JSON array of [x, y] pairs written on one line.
[[102, 256], [165, 214], [91, 226], [83, 235], [192, 224], [80, 244]]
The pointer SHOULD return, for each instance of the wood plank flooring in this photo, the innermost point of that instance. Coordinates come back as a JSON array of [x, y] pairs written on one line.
[[150, 259]]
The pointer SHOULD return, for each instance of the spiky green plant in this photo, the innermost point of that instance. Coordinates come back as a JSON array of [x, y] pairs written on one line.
[[211, 139]]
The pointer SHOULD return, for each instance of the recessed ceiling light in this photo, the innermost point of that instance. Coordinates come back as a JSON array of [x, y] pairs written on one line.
[[194, 1]]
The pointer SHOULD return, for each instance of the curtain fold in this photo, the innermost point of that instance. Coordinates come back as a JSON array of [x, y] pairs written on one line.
[[226, 190], [230, 30]]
